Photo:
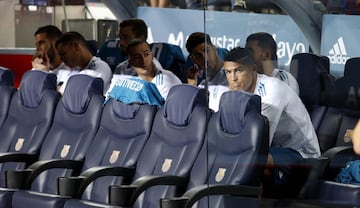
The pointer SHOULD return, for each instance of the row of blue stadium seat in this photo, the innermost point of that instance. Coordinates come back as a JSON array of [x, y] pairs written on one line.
[[48, 140]]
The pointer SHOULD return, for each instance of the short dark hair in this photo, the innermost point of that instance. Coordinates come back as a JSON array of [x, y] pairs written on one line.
[[265, 40], [51, 31], [138, 26], [195, 39], [240, 55], [70, 37], [134, 43]]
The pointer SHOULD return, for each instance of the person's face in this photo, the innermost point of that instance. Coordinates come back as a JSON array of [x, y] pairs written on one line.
[[141, 57], [44, 44], [258, 53], [204, 54], [69, 54], [126, 34], [240, 77]]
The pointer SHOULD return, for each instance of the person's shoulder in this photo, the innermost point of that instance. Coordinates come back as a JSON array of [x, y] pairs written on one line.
[[270, 86], [121, 67], [99, 63], [170, 76]]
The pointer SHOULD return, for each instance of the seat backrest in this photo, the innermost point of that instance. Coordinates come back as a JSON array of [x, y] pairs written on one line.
[[176, 138], [76, 122], [345, 93], [171, 58], [30, 115], [110, 52], [6, 91], [237, 145], [123, 131], [335, 127], [312, 74]]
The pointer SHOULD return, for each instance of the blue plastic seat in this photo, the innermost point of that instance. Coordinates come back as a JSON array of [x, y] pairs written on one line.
[[75, 124], [123, 131], [176, 138], [233, 159], [29, 119], [6, 90]]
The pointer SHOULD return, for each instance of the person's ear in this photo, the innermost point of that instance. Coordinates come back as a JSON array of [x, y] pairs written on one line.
[[267, 54], [254, 67]]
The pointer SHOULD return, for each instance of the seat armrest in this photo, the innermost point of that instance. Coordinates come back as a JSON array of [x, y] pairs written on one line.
[[126, 195], [40, 166], [26, 158], [198, 192], [75, 186], [69, 186], [16, 179]]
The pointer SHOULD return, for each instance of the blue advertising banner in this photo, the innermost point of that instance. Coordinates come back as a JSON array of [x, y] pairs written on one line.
[[227, 29], [340, 40]]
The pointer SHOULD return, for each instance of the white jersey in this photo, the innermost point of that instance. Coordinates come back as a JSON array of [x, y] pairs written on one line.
[[286, 77], [61, 72], [290, 124], [163, 80], [95, 68], [215, 92]]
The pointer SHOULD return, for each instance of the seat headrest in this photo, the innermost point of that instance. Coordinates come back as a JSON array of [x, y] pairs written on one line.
[[352, 68], [309, 62], [6, 77], [33, 85], [134, 90], [234, 105], [181, 101], [79, 90], [125, 111]]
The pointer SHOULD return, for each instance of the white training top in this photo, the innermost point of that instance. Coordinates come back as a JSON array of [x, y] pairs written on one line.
[[215, 92], [164, 80], [95, 68], [286, 77], [290, 123]]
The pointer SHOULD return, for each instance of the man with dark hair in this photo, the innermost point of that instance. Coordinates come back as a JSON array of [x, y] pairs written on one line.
[[263, 47], [205, 58], [292, 136], [46, 56], [45, 38], [130, 29], [204, 55], [73, 51], [141, 59]]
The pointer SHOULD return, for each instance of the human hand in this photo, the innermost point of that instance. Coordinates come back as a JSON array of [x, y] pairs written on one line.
[[40, 61], [356, 138]]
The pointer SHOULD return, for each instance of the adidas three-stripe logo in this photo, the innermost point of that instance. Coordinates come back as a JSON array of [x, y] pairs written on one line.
[[338, 53]]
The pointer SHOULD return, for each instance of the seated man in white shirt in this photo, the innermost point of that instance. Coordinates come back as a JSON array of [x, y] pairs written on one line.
[[292, 136], [46, 57], [263, 47], [74, 52], [141, 58], [203, 54]]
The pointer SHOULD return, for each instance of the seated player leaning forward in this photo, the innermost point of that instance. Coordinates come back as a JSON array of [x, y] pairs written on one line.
[[292, 136], [141, 58]]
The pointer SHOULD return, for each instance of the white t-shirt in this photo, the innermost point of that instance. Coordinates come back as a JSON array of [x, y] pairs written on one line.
[[95, 68], [61, 72], [163, 80], [290, 123], [286, 77], [215, 92]]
